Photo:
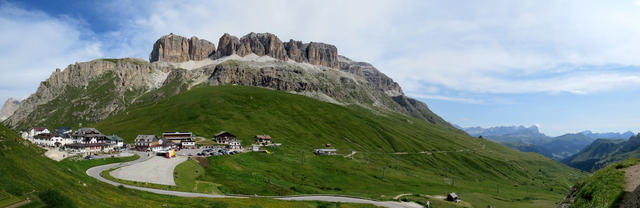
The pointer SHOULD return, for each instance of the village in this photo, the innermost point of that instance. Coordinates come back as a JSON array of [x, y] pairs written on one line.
[[63, 142]]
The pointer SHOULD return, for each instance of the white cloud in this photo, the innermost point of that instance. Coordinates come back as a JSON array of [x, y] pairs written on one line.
[[33, 44], [637, 3], [446, 98]]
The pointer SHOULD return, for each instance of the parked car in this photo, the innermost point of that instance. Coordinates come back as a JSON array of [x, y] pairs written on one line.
[[89, 157]]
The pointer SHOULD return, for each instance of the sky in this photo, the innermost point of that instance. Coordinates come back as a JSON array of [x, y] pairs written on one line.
[[565, 66]]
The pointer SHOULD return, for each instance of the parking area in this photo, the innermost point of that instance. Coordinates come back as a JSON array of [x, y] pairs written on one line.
[[157, 169]]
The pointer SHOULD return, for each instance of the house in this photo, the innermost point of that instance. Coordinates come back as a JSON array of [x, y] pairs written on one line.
[[116, 141], [162, 145], [325, 151], [145, 142], [43, 139], [255, 147], [234, 145], [452, 197], [224, 137], [188, 144], [32, 132], [87, 141], [178, 137], [263, 140]]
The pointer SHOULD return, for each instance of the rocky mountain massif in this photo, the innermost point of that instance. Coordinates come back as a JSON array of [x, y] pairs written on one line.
[[8, 108], [91, 91], [529, 139]]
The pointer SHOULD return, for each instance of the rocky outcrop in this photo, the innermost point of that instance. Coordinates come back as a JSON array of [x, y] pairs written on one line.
[[88, 91], [227, 45], [322, 54], [174, 48], [262, 44], [8, 108], [268, 44], [371, 74]]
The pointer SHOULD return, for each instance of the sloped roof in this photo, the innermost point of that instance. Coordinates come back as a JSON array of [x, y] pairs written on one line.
[[224, 133], [86, 131], [146, 137], [263, 137]]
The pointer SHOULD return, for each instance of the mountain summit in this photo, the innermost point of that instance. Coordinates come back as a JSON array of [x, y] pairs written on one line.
[[91, 91]]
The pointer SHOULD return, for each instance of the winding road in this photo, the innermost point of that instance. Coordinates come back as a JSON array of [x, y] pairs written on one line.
[[95, 173]]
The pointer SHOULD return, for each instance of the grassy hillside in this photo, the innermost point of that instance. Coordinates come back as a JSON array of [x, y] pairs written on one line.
[[24, 172], [605, 188], [483, 172]]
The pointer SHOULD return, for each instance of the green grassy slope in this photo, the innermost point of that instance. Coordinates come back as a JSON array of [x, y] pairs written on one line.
[[605, 188], [302, 124], [24, 172]]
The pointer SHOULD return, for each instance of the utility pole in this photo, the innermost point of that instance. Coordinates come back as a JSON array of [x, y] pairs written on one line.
[[453, 180], [498, 188], [302, 157], [396, 163]]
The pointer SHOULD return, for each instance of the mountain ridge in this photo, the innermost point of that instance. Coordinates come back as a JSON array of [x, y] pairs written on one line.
[[530, 139]]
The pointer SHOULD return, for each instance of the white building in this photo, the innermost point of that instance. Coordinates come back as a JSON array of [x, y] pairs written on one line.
[[234, 145], [32, 132]]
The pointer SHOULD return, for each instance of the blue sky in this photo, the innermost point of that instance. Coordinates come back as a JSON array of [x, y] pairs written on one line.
[[566, 66]]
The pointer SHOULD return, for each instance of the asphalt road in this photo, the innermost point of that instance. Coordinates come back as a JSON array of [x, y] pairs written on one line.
[[95, 173]]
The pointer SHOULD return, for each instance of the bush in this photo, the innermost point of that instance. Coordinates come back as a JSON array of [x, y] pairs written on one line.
[[53, 198]]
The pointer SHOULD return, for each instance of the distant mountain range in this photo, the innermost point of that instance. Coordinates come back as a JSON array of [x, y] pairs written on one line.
[[604, 151], [529, 139]]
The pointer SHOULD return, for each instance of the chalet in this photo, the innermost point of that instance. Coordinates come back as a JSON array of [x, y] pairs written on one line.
[[116, 141], [145, 142], [325, 151], [188, 144], [162, 144], [234, 145], [32, 132], [224, 137], [87, 141], [263, 140], [178, 137], [49, 140]]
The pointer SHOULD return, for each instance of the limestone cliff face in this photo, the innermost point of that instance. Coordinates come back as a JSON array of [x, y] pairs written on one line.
[[174, 48], [267, 44], [88, 91], [262, 44], [8, 108]]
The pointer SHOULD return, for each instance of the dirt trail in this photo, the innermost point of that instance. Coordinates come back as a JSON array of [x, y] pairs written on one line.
[[631, 187]]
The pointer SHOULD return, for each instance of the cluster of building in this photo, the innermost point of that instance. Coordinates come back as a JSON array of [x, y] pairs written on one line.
[[82, 141], [90, 141], [169, 140]]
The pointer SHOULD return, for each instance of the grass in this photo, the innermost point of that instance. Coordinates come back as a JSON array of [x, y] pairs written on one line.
[[7, 199], [27, 173], [605, 188], [302, 124]]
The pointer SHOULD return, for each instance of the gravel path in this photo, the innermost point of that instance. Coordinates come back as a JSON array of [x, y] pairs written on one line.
[[158, 170], [95, 173], [631, 187]]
